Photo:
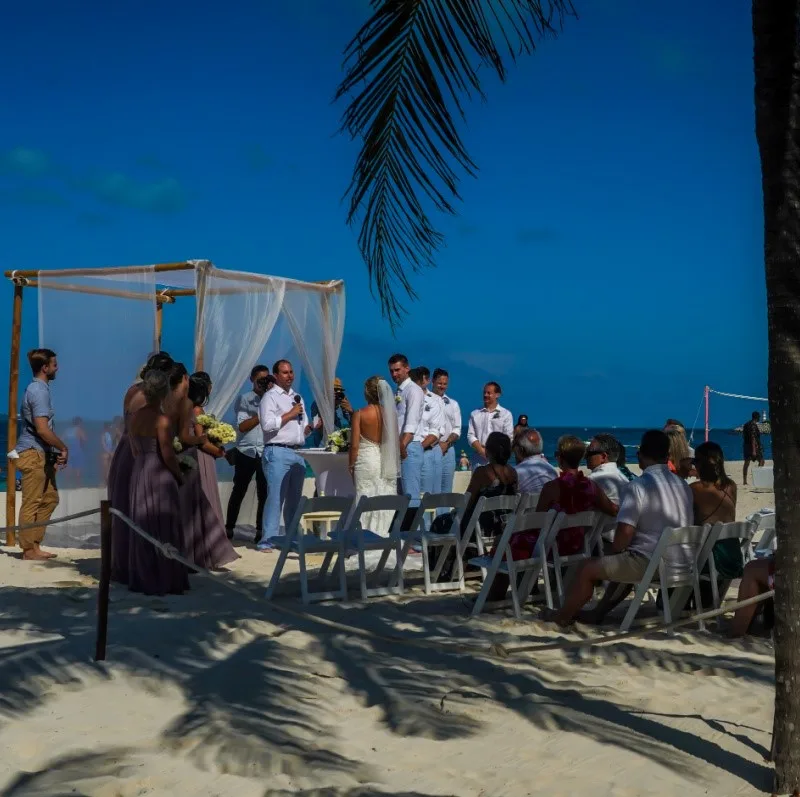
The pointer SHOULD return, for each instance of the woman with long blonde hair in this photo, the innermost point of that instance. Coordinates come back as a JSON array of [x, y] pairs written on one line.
[[375, 449]]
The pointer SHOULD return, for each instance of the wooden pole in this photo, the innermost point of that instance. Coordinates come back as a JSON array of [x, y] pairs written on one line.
[[707, 391], [160, 297], [105, 581], [13, 390], [159, 321], [101, 272], [200, 321]]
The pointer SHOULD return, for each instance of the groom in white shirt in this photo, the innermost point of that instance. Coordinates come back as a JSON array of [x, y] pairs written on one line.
[[491, 418], [410, 400], [283, 419]]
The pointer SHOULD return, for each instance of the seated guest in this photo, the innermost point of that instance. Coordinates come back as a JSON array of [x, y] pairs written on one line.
[[622, 464], [533, 470], [571, 492], [657, 500], [680, 458], [715, 502], [497, 477], [601, 458], [758, 577]]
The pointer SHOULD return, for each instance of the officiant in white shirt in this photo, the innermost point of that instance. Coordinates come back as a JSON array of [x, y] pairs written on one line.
[[490, 418], [284, 422]]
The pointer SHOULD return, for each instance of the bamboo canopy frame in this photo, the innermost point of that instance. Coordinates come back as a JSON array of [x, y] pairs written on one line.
[[22, 279]]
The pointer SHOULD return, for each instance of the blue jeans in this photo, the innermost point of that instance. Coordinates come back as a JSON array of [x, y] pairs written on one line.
[[431, 470], [411, 472], [285, 470], [448, 471]]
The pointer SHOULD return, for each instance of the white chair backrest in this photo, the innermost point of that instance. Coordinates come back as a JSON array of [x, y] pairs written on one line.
[[455, 502], [529, 500], [335, 503], [592, 521], [766, 542], [497, 503], [680, 549], [380, 503]]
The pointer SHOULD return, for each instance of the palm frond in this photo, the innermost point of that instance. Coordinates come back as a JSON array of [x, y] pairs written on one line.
[[408, 71]]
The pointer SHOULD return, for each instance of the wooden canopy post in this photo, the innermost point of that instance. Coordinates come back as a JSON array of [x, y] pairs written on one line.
[[200, 317], [159, 321], [13, 389]]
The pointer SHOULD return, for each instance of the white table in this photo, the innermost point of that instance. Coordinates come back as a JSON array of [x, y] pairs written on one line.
[[331, 471]]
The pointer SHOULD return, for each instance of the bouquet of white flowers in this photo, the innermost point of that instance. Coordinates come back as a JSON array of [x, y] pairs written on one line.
[[338, 440], [185, 462], [218, 432]]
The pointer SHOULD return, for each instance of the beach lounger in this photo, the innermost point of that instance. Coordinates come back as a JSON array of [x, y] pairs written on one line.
[[361, 540], [296, 541], [502, 561], [661, 574]]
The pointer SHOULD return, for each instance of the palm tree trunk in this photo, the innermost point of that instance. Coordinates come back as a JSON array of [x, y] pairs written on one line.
[[777, 101]]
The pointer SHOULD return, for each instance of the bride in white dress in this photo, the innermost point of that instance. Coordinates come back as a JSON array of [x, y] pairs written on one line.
[[375, 450]]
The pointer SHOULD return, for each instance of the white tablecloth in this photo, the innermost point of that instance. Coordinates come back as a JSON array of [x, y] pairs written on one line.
[[331, 471]]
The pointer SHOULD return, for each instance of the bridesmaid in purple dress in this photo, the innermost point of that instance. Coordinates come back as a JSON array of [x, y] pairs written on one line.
[[119, 471], [154, 495], [204, 525]]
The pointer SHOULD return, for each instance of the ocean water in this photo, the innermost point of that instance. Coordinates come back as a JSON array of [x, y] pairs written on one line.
[[90, 461]]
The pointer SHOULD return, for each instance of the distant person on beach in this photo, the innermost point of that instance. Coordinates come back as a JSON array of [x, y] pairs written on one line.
[[410, 404], [533, 469], [246, 457], [41, 452], [658, 499], [490, 418], [107, 444], [751, 444], [452, 412], [284, 422], [522, 426], [342, 415], [75, 437]]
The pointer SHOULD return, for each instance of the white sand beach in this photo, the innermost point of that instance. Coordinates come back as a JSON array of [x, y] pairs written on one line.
[[219, 693]]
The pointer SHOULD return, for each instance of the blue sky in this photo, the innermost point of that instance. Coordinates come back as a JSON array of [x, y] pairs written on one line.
[[605, 264]]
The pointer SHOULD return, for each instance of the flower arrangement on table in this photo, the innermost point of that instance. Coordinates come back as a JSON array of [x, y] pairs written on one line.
[[218, 432], [338, 440]]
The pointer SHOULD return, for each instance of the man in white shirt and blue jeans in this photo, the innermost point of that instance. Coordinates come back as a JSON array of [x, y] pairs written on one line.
[[452, 412], [283, 420], [410, 399]]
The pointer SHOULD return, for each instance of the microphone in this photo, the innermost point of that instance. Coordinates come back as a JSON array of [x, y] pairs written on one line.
[[297, 400]]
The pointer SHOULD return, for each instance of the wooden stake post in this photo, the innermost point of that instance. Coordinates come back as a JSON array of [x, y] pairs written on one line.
[[13, 389], [105, 581]]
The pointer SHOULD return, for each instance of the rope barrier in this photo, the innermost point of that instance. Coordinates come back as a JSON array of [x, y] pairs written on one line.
[[736, 395], [52, 521], [495, 649]]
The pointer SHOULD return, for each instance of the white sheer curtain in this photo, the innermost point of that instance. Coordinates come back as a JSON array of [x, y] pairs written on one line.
[[315, 315], [102, 325], [235, 317]]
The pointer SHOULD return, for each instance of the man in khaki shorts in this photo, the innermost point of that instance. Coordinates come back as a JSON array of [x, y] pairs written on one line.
[[656, 501], [40, 452]]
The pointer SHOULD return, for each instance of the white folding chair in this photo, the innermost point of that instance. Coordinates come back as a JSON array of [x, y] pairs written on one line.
[[362, 540], [742, 532], [497, 503], [503, 561], [295, 540], [669, 575], [765, 545], [593, 523], [455, 503]]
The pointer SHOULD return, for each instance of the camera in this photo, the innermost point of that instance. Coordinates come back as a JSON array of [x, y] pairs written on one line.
[[265, 382]]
